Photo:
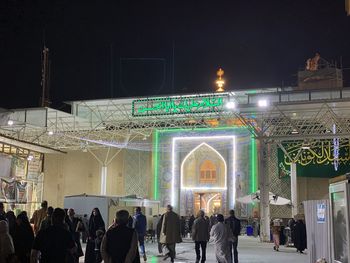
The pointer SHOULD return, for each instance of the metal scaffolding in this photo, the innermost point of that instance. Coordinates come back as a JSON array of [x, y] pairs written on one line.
[[299, 115]]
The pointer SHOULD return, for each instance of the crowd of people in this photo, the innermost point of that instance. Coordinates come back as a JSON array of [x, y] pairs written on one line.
[[297, 234], [170, 229], [55, 235]]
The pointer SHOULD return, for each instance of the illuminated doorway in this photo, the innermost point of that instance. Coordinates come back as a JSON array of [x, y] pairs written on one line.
[[210, 203]]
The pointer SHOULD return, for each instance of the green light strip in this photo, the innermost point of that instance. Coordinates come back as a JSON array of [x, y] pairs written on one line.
[[155, 163], [156, 152], [253, 164], [178, 105], [202, 129]]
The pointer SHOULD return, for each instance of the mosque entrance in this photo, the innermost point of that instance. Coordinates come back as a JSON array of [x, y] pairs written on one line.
[[210, 203], [203, 181]]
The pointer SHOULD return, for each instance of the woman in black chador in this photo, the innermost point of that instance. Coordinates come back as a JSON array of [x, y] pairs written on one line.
[[300, 236], [95, 223], [23, 238]]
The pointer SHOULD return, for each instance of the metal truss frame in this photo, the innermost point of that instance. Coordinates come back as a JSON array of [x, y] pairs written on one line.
[[110, 122]]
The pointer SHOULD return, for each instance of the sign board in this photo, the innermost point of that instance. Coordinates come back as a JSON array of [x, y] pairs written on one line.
[[317, 161], [179, 105], [321, 213]]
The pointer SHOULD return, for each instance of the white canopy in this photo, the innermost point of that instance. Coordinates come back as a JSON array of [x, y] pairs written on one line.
[[255, 197]]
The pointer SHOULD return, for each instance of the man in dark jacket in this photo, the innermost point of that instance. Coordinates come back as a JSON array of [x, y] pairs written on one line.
[[200, 235], [140, 225], [171, 232], [235, 226], [55, 243], [120, 242]]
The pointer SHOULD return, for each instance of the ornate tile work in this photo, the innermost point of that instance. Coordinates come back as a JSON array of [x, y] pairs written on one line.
[[278, 186], [136, 171]]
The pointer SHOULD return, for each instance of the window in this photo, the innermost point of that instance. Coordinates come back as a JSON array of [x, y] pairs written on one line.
[[207, 172]]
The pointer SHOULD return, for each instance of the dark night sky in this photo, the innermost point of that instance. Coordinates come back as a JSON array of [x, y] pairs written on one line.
[[258, 44]]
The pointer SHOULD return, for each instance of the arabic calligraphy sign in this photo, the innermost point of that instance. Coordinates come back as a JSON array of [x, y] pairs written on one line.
[[318, 161], [179, 105]]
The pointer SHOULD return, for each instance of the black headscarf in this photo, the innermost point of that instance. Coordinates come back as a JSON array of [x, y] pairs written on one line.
[[24, 236], [96, 223]]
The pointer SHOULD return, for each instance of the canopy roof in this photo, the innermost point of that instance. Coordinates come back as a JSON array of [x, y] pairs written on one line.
[[289, 115]]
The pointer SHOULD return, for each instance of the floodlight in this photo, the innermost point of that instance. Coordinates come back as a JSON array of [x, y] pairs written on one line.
[[10, 122], [295, 131], [263, 103], [230, 105]]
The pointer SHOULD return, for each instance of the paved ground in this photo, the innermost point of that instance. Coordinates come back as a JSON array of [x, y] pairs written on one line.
[[250, 251]]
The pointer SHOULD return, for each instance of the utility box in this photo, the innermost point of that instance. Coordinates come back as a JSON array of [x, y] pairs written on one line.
[[109, 205]]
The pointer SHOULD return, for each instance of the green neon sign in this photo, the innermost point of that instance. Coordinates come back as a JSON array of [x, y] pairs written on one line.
[[179, 105]]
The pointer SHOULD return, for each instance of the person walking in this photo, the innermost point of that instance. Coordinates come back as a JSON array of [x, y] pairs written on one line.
[[159, 230], [39, 216], [11, 220], [235, 226], [48, 219], [2, 212], [171, 232], [55, 243], [221, 234], [98, 242], [183, 226], [212, 221], [23, 238], [140, 225], [300, 236], [276, 230], [7, 249], [74, 227], [85, 233], [120, 241], [190, 223], [200, 236], [95, 223]]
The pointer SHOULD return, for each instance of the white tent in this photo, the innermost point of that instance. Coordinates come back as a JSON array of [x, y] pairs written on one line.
[[255, 197]]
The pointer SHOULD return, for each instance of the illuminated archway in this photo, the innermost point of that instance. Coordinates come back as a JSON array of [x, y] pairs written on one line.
[[214, 188], [176, 181]]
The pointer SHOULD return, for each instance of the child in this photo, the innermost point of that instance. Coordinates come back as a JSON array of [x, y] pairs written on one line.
[[98, 241]]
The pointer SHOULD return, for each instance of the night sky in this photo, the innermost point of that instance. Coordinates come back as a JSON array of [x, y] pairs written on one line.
[[102, 49]]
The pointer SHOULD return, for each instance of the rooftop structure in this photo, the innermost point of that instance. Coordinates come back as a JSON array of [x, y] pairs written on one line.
[[272, 114]]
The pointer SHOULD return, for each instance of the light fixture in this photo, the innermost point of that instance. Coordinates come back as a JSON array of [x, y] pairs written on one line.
[[295, 131], [50, 133], [305, 146], [230, 105], [144, 138], [10, 122], [262, 103], [30, 157]]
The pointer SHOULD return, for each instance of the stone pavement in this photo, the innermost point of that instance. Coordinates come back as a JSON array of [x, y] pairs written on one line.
[[250, 250]]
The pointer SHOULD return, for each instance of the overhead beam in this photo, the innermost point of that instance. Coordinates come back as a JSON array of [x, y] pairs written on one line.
[[29, 146]]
